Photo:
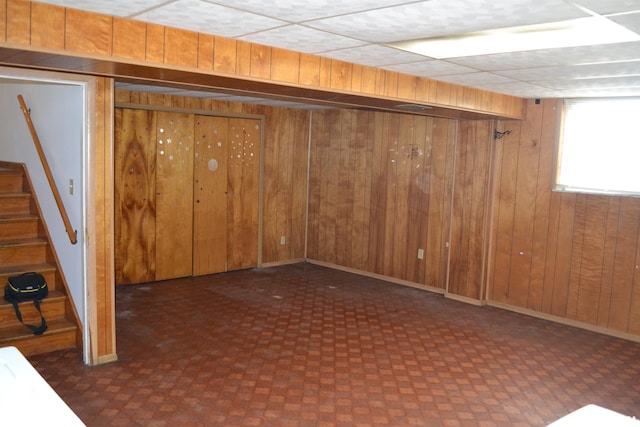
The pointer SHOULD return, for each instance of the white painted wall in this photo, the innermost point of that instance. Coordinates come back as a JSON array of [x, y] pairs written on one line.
[[57, 112]]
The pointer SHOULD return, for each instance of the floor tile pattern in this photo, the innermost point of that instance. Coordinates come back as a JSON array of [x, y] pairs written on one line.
[[304, 345]]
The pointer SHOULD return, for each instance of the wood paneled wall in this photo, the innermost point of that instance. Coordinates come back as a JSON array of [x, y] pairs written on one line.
[[573, 256], [380, 189], [286, 142], [470, 218], [115, 46]]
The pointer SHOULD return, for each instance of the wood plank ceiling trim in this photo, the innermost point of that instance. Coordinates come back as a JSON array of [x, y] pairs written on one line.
[[36, 35]]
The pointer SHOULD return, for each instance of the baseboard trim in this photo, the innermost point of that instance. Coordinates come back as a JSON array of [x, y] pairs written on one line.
[[464, 299], [279, 263], [107, 358], [568, 322], [376, 276]]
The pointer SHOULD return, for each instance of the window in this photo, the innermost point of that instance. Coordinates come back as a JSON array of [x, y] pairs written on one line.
[[599, 150]]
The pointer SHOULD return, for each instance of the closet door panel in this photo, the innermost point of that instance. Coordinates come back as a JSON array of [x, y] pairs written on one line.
[[243, 193], [210, 195], [135, 202], [174, 195]]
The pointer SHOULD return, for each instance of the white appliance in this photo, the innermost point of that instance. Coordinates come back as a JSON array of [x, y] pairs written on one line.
[[26, 399], [595, 416]]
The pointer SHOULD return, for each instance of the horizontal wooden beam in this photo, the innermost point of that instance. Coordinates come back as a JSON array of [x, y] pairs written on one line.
[[55, 38]]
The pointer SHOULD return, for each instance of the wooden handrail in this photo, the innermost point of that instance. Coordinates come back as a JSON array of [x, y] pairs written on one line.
[[56, 194]]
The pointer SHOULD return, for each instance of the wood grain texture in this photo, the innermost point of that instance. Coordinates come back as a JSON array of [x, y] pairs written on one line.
[[180, 47], [309, 70], [289, 74], [440, 206], [154, 50], [625, 264], [340, 75], [260, 61], [226, 210], [18, 22], [580, 252], [210, 195], [135, 196], [285, 176], [101, 268], [469, 212], [88, 32], [169, 51], [3, 20], [243, 193], [542, 205], [174, 194], [48, 26], [129, 38], [243, 58], [224, 55], [206, 43], [373, 185]]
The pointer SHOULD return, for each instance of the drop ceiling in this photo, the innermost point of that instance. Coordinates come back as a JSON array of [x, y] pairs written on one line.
[[360, 31]]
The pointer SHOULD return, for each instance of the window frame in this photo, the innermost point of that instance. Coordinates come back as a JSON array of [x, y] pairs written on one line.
[[558, 153]]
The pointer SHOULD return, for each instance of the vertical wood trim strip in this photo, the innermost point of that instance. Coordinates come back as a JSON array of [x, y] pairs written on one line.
[[102, 320]]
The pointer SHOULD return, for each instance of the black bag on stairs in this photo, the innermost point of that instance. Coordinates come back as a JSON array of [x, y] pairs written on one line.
[[27, 287]]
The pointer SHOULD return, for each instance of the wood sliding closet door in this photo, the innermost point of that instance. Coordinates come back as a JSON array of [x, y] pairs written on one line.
[[243, 193], [154, 200], [174, 195], [226, 194], [210, 195], [187, 194], [135, 196]]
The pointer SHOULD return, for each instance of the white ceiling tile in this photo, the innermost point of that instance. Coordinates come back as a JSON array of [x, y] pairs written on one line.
[[445, 17], [602, 83], [605, 7], [305, 10], [356, 31], [629, 20], [552, 57], [628, 68], [522, 89], [301, 39], [475, 79], [432, 68], [209, 18], [373, 55], [120, 8]]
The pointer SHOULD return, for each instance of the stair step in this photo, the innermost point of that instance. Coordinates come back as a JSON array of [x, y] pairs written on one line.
[[17, 226], [59, 335], [20, 252], [24, 247], [11, 180], [47, 270], [53, 307], [15, 203]]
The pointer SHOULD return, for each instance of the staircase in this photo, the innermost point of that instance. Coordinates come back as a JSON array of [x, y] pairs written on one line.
[[25, 246]]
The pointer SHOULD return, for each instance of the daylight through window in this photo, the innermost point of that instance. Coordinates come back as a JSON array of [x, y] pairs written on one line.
[[599, 150]]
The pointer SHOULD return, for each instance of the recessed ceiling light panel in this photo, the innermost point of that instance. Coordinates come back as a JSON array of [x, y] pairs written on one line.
[[576, 32]]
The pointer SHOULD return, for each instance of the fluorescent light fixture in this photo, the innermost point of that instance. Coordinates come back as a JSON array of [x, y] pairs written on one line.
[[576, 32]]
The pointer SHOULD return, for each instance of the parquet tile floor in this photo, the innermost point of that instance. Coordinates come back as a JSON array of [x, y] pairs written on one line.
[[304, 345]]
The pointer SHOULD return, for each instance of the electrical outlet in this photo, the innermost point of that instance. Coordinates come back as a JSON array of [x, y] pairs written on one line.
[[283, 240], [420, 253]]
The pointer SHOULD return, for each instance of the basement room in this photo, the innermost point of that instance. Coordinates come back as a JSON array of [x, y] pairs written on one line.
[[287, 213]]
